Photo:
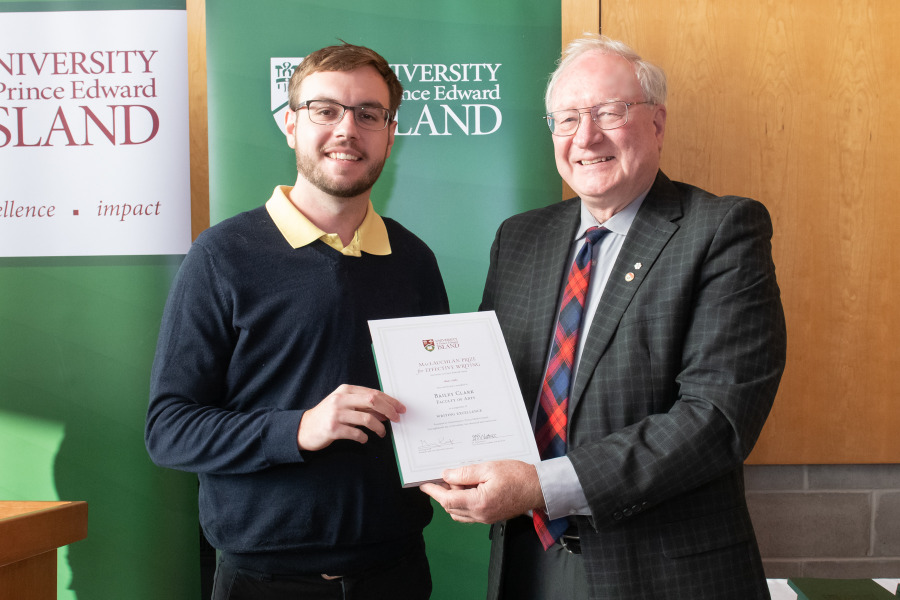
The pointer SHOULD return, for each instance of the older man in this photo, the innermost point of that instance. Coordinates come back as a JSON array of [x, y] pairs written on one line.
[[264, 382], [646, 329]]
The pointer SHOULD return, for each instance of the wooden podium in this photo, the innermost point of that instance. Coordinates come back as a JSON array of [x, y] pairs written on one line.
[[30, 533]]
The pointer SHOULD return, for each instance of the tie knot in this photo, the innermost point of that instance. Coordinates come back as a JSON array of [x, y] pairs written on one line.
[[595, 233]]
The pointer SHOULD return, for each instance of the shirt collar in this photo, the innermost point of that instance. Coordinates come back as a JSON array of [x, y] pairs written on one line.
[[619, 223], [371, 237]]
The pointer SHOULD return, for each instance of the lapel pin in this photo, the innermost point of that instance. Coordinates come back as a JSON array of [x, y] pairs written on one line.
[[629, 277], [638, 265]]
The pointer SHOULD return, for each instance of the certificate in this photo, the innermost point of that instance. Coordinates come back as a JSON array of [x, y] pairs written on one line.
[[463, 404]]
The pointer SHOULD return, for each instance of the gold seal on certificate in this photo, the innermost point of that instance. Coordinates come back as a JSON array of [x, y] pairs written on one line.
[[463, 403]]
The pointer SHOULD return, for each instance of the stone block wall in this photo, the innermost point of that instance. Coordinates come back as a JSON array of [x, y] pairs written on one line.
[[826, 520]]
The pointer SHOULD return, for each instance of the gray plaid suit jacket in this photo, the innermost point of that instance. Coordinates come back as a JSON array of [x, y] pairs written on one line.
[[678, 374]]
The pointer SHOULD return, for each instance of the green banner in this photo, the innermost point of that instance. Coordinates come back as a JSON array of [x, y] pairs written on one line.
[[77, 337], [471, 146]]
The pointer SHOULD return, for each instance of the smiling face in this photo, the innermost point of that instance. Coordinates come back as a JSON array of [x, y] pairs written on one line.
[[607, 168], [343, 160]]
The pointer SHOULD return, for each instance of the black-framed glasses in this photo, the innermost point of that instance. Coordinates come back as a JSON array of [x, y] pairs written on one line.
[[609, 115], [326, 112]]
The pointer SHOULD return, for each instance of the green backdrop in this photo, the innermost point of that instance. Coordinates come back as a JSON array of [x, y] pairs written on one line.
[[451, 190], [77, 335]]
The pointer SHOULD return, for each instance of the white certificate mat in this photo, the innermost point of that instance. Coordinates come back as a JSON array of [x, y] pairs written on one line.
[[463, 404]]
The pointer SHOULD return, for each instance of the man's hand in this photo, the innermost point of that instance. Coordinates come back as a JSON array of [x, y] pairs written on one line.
[[488, 492], [341, 414]]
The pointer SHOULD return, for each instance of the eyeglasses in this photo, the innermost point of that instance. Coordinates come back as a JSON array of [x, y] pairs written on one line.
[[609, 115], [325, 112]]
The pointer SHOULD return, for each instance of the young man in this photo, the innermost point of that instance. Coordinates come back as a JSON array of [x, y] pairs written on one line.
[[264, 382], [650, 394]]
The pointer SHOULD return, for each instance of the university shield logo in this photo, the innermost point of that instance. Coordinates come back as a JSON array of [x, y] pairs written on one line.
[[429, 345], [280, 71]]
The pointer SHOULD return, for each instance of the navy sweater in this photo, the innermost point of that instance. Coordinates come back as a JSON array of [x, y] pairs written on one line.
[[254, 333]]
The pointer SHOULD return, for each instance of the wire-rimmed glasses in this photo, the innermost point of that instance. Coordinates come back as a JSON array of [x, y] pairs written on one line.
[[608, 115]]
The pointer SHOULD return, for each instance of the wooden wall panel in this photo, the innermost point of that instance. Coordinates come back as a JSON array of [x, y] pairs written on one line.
[[794, 103], [579, 17], [196, 14]]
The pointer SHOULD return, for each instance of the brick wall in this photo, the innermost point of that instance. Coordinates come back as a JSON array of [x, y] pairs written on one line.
[[826, 520]]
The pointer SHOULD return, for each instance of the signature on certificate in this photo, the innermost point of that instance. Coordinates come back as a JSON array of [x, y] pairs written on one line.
[[485, 438], [442, 443]]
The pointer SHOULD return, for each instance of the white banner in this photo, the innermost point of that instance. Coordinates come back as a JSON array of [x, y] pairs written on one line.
[[94, 133]]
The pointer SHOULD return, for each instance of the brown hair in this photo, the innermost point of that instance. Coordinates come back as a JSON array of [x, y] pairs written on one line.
[[345, 57]]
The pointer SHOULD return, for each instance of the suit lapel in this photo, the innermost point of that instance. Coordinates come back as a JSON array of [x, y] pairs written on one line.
[[650, 231]]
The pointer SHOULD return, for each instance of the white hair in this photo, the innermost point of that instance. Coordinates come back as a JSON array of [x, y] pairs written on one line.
[[651, 77]]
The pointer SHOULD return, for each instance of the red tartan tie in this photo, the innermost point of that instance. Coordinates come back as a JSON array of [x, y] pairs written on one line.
[[550, 423]]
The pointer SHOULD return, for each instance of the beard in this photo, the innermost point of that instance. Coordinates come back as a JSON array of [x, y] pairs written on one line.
[[310, 169]]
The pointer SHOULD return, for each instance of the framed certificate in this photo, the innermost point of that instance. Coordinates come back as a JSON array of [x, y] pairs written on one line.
[[463, 404]]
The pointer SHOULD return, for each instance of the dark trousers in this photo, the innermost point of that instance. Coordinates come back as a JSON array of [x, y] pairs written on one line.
[[408, 578], [531, 573]]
